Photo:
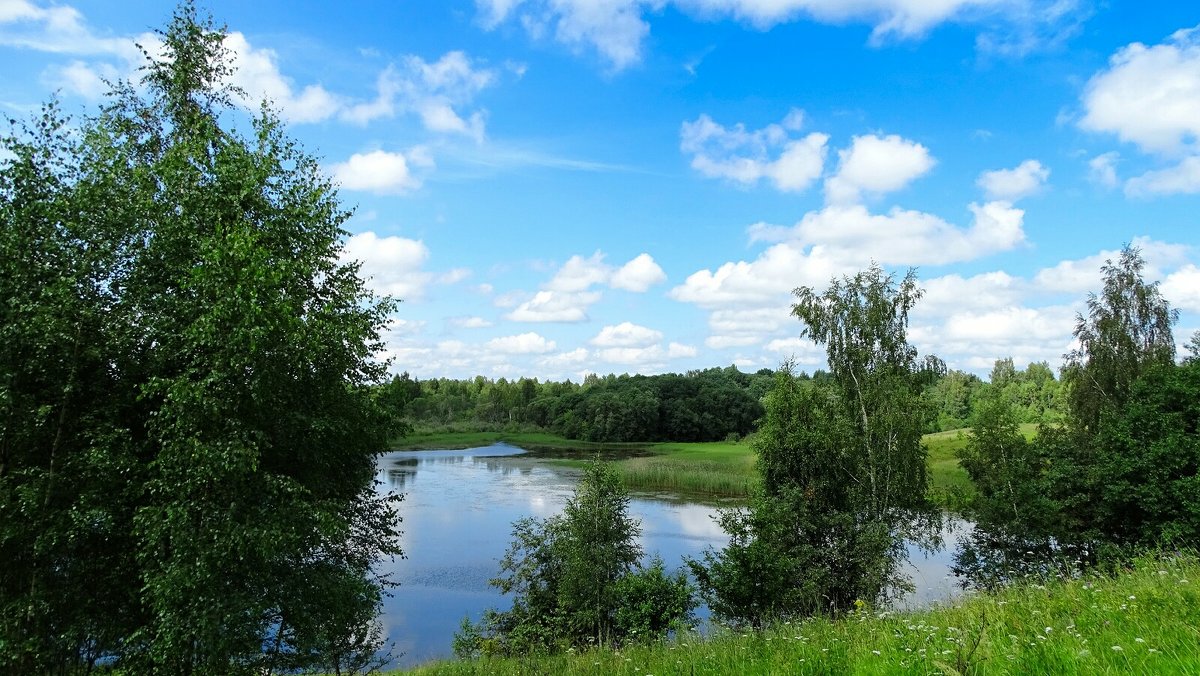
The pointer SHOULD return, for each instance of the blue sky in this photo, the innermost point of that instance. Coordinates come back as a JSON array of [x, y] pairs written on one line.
[[557, 187]]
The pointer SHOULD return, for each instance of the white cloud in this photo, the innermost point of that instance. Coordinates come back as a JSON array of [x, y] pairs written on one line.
[[580, 274], [379, 171], [1182, 178], [950, 293], [565, 359], [568, 295], [433, 91], [391, 265], [720, 342], [1083, 275], [803, 350], [1025, 179], [554, 306], [525, 343], [469, 322], [256, 73], [638, 275], [876, 165], [86, 80], [616, 29], [1149, 95], [852, 235], [746, 157], [976, 338], [652, 356], [454, 276], [680, 351], [626, 334], [1182, 288], [1102, 169]]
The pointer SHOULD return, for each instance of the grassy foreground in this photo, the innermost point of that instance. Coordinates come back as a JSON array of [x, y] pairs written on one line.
[[1144, 621], [719, 468]]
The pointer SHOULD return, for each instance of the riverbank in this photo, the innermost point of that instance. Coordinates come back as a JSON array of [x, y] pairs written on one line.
[[723, 469], [1145, 620]]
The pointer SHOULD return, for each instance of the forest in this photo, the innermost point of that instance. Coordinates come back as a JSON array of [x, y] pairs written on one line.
[[713, 404]]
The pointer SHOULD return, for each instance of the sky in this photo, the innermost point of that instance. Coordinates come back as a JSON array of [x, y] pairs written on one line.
[[562, 187]]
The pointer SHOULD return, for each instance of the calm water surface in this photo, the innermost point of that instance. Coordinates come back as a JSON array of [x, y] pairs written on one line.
[[458, 511]]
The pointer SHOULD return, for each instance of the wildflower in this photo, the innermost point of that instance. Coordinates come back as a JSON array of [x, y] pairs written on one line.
[[1049, 629], [1118, 648], [875, 651], [1139, 640]]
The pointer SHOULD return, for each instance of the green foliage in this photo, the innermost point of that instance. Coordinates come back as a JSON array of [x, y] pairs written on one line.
[[842, 464], [1140, 621], [1122, 469], [709, 405], [575, 580], [1004, 467], [1127, 330], [188, 435]]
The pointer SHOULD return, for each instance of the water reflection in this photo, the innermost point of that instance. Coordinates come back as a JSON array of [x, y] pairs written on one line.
[[458, 521]]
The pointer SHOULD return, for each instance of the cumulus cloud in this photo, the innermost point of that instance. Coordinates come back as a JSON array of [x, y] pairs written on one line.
[[876, 165], [746, 157], [680, 351], [1083, 275], [256, 74], [554, 306], [568, 294], [853, 235], [990, 290], [572, 358], [749, 301], [1025, 179], [1182, 178], [1149, 95], [525, 343], [391, 265], [626, 334], [617, 29], [638, 275], [1182, 288], [437, 92], [381, 172]]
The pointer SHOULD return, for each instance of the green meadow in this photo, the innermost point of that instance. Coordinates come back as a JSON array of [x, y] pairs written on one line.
[[1145, 620], [722, 469]]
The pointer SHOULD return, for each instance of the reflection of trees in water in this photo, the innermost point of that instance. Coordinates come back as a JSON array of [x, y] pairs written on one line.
[[400, 477], [505, 468], [991, 557]]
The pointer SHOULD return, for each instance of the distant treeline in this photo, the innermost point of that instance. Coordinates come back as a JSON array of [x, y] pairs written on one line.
[[704, 405]]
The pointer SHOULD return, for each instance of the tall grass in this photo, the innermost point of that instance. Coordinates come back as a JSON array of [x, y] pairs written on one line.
[[1145, 621]]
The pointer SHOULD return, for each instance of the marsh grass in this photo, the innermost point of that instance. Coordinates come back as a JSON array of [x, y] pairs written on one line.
[[1145, 620]]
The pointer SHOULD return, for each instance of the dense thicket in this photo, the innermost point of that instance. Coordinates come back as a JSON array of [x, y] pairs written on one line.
[[187, 432], [1122, 468]]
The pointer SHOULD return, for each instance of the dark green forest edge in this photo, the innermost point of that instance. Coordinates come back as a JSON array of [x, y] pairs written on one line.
[[191, 410]]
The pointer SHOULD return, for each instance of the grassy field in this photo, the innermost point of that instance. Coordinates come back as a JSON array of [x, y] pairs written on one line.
[[1145, 621], [718, 469]]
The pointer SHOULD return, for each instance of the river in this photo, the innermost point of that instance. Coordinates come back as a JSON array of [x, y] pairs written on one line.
[[458, 511]]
